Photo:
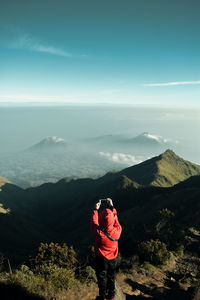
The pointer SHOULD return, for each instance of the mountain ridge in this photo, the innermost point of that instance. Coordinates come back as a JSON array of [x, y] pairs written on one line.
[[61, 211], [166, 169], [140, 140], [3, 181]]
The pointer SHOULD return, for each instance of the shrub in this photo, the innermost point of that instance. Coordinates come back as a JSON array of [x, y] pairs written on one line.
[[50, 280], [53, 253], [54, 271], [87, 275], [127, 263], [59, 278], [89, 259], [2, 259], [179, 251], [25, 278], [148, 266], [164, 226], [154, 251]]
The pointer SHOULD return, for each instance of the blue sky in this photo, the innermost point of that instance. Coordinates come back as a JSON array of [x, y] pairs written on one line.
[[110, 51]]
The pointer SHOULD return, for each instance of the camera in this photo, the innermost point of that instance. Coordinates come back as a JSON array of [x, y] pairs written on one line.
[[103, 201]]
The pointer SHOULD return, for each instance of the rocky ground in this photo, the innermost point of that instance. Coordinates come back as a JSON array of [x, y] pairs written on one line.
[[174, 281]]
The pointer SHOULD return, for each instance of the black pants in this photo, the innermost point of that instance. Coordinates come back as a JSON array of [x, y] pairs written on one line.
[[105, 271]]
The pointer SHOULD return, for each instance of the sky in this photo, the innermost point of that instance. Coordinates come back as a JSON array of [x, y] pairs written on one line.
[[140, 52]]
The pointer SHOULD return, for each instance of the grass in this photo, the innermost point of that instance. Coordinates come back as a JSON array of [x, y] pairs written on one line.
[[48, 283], [173, 169]]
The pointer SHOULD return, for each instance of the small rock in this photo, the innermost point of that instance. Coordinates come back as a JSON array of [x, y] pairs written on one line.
[[137, 293], [172, 279], [119, 295]]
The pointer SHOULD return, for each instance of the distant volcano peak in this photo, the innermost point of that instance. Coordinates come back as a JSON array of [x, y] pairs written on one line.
[[152, 137], [53, 140], [49, 143]]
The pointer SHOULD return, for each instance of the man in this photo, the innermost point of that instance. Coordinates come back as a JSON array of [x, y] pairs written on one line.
[[107, 230]]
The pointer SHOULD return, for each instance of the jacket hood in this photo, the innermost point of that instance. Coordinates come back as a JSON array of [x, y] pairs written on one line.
[[105, 216]]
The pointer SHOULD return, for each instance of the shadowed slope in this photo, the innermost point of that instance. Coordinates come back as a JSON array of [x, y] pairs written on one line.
[[61, 212]]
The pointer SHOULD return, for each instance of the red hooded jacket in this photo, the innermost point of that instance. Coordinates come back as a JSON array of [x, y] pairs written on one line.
[[107, 218]]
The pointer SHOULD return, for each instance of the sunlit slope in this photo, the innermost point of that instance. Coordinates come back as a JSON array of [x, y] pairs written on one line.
[[164, 170], [4, 181]]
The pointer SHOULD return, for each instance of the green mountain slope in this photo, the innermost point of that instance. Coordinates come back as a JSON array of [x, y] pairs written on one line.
[[164, 170], [61, 212], [3, 181]]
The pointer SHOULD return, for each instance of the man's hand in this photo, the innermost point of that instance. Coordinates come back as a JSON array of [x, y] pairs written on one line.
[[97, 205], [109, 201]]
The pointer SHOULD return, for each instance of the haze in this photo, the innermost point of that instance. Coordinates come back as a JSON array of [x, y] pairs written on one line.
[[98, 139], [22, 127]]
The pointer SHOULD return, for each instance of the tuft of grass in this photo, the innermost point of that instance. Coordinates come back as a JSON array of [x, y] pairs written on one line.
[[149, 267], [179, 251], [87, 275]]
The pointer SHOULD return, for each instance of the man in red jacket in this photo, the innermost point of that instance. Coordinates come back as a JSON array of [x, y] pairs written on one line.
[[107, 230]]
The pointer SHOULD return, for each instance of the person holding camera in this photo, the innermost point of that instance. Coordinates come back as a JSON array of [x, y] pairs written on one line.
[[107, 230]]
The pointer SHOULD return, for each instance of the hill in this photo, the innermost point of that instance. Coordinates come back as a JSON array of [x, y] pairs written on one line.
[[61, 211], [164, 170], [4, 181]]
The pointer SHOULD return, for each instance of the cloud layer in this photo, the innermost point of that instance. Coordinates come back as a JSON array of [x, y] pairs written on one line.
[[172, 83], [125, 159]]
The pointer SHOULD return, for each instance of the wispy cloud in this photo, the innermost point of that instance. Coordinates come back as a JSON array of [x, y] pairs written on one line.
[[51, 50], [27, 42], [173, 83]]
